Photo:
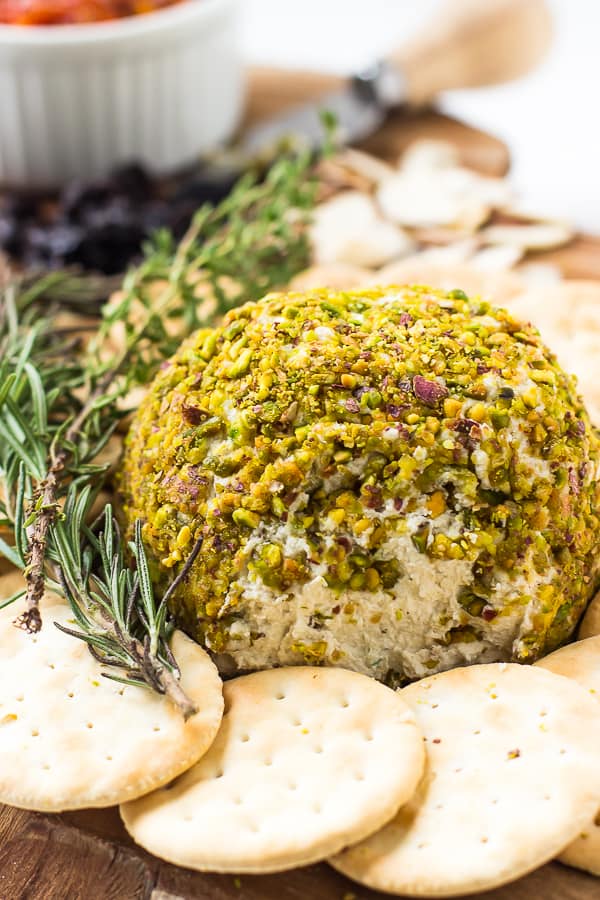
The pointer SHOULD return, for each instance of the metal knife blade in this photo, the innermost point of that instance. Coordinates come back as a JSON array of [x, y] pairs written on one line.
[[358, 110], [355, 116]]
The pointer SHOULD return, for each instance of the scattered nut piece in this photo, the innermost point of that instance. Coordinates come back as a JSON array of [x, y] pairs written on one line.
[[370, 167], [497, 257], [348, 229], [429, 154], [425, 198], [539, 236]]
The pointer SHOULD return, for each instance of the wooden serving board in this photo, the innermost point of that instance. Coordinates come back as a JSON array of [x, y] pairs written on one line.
[[88, 855]]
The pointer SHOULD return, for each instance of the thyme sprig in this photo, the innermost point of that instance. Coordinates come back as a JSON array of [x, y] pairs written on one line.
[[62, 396]]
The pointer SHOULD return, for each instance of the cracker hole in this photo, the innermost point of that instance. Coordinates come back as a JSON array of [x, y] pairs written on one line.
[[563, 751], [318, 749], [237, 801], [20, 698], [345, 703], [121, 692], [421, 846], [317, 808], [280, 696], [70, 694], [359, 776], [293, 786], [89, 725], [51, 666], [495, 801], [254, 828], [245, 738], [35, 733], [219, 774], [477, 731], [597, 821], [547, 797], [296, 721], [188, 818], [46, 767], [268, 762], [456, 771], [108, 758], [543, 712], [369, 737], [156, 728], [484, 840]]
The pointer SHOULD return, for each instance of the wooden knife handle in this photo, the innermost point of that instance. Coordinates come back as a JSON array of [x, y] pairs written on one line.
[[473, 43]]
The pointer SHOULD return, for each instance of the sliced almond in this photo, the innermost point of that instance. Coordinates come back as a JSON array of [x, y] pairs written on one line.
[[457, 252], [539, 236], [497, 258], [348, 229], [417, 200], [364, 164], [439, 235], [429, 154], [429, 198]]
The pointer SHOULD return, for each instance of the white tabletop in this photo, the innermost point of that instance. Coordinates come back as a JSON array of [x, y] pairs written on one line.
[[550, 120]]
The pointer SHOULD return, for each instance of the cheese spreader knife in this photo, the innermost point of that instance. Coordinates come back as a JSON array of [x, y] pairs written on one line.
[[471, 43]]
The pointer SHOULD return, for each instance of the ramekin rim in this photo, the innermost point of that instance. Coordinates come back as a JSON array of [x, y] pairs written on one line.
[[112, 29]]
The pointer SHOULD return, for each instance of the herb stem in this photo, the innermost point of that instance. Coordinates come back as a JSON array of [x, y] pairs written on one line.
[[30, 620]]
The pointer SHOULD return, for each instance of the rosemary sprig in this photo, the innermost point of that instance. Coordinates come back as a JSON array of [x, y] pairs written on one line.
[[114, 605], [59, 406]]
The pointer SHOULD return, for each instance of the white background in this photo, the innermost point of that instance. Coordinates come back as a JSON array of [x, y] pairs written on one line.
[[550, 120]]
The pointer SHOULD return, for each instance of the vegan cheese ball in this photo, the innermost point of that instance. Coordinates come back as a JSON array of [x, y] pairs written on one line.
[[395, 480]]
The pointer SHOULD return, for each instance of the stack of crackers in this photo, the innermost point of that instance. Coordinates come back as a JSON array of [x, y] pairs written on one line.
[[458, 783]]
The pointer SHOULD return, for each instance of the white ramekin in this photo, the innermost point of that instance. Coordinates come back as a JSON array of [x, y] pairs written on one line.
[[160, 88]]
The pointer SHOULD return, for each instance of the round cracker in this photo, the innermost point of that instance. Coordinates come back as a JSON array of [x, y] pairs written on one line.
[[512, 777], [338, 275], [11, 582], [590, 624], [71, 739], [568, 317], [307, 760], [581, 662]]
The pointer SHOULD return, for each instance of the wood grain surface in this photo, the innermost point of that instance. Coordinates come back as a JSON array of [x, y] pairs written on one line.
[[88, 855]]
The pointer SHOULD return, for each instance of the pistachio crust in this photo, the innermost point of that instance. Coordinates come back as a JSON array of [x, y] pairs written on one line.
[[310, 433]]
